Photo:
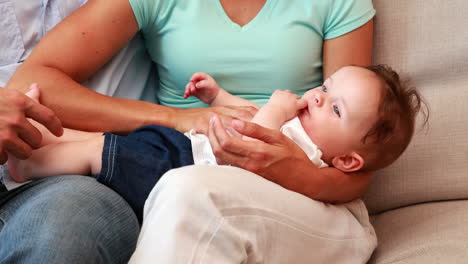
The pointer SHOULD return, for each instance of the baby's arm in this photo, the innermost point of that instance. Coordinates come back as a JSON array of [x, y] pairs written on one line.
[[282, 106], [205, 88]]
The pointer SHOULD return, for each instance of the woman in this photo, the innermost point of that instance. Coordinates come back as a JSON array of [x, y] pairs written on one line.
[[250, 47]]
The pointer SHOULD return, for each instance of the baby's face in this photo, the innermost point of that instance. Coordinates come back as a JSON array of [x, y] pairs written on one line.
[[342, 111]]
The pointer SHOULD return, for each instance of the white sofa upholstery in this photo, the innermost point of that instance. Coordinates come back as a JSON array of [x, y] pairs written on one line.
[[419, 205]]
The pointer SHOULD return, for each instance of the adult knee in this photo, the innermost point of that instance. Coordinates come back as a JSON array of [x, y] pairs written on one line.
[[204, 186], [72, 219]]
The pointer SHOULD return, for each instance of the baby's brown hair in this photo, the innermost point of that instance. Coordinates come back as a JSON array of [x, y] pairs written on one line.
[[392, 132]]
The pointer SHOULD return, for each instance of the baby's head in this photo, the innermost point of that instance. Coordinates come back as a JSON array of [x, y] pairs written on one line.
[[361, 118]]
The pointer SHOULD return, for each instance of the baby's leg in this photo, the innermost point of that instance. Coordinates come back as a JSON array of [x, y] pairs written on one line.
[[72, 157], [68, 134], [49, 138]]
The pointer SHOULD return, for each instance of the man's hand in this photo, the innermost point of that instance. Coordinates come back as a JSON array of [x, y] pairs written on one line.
[[17, 136]]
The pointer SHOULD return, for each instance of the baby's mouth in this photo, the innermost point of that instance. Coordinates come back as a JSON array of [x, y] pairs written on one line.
[[304, 111]]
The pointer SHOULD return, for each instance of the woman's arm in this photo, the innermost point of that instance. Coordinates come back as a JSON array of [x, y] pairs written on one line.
[[75, 49], [279, 159], [71, 53], [354, 48]]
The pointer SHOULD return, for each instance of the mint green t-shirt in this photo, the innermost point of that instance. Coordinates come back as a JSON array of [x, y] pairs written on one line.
[[281, 48]]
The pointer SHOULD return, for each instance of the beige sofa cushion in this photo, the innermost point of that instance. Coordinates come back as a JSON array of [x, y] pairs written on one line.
[[428, 41], [426, 233]]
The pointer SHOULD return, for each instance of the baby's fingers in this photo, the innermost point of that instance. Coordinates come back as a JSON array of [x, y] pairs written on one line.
[[198, 76], [202, 84], [301, 103], [188, 92]]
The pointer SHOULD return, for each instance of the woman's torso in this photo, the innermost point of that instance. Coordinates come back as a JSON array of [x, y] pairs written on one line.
[[280, 48]]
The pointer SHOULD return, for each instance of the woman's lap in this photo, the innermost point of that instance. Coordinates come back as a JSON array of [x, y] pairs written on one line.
[[199, 214], [66, 219]]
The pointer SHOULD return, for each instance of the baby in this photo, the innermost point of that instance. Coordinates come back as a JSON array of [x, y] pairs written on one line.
[[359, 119]]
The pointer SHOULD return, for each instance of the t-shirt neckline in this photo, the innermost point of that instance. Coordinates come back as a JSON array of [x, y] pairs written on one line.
[[222, 13]]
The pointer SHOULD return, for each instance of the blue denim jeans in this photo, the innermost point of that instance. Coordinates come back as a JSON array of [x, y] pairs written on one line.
[[133, 164], [66, 219]]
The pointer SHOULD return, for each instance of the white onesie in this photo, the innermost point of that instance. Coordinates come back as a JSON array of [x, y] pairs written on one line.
[[203, 154]]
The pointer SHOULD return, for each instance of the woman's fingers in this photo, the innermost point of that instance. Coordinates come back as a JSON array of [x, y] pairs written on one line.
[[218, 137], [272, 150], [246, 154], [225, 141], [220, 154], [258, 132]]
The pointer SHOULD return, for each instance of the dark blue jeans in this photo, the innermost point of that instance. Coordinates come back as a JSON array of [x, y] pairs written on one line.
[[133, 164], [65, 219]]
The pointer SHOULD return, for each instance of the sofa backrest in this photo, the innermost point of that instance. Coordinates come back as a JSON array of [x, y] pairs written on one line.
[[427, 41]]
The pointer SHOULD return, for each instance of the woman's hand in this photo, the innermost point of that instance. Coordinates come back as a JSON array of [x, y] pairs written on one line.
[[261, 157], [17, 136], [278, 159], [199, 118]]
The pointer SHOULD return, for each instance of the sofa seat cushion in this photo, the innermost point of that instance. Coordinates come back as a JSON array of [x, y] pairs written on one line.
[[426, 233]]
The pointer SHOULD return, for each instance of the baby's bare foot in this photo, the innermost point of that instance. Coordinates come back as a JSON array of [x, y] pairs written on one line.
[[34, 92], [18, 169]]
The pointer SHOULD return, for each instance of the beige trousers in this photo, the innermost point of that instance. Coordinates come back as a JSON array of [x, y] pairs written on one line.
[[201, 214]]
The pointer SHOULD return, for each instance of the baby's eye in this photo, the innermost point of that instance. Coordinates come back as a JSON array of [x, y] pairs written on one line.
[[336, 110], [324, 89]]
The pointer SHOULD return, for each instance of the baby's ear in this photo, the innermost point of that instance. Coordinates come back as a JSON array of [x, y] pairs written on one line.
[[348, 162]]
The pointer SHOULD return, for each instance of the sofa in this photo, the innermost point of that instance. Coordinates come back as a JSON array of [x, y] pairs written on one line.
[[419, 205]]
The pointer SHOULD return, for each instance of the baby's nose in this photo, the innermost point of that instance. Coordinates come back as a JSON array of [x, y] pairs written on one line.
[[318, 99]]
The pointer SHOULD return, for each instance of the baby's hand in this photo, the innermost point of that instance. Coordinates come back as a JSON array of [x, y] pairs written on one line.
[[287, 102], [202, 86]]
